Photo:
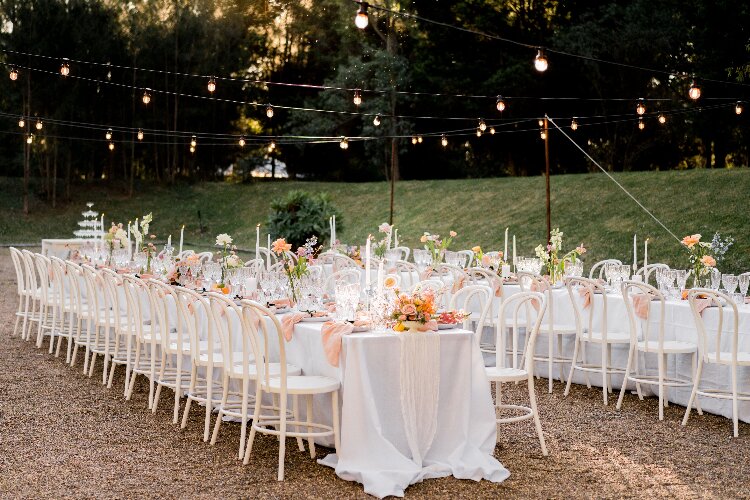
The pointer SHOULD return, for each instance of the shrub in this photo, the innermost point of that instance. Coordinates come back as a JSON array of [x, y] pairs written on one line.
[[300, 215]]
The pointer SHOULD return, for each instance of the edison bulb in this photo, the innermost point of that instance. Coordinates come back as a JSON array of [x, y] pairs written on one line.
[[640, 108], [376, 120], [357, 98], [108, 135], [444, 140], [269, 111], [146, 97], [479, 132], [500, 104], [29, 139], [694, 92], [738, 108], [492, 130], [193, 141], [361, 20], [39, 125], [13, 74], [242, 142], [573, 125], [540, 61], [641, 124], [344, 144], [64, 69], [211, 85], [482, 125], [21, 122], [111, 146], [140, 134], [543, 135], [662, 119]]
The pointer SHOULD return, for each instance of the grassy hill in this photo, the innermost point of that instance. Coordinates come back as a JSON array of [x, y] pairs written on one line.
[[589, 208]]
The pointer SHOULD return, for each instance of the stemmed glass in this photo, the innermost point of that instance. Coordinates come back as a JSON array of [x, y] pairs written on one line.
[[730, 283], [422, 259], [212, 272], [682, 276], [715, 279], [744, 281]]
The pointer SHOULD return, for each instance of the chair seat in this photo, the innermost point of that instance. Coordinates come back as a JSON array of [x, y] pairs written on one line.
[[274, 369], [499, 374], [313, 384], [612, 337], [670, 346], [557, 329], [725, 358]]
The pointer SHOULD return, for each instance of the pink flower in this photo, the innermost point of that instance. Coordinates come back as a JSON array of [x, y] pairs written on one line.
[[708, 261], [453, 234], [402, 317], [409, 309]]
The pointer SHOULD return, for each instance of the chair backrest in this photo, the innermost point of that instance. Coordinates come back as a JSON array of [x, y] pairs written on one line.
[[405, 252], [584, 317], [468, 256], [60, 297], [225, 318], [27, 259], [116, 303], [437, 287], [520, 306], [633, 291], [711, 351], [134, 289], [206, 257], [650, 269], [265, 329], [598, 268], [166, 314], [408, 272], [350, 276], [481, 275], [94, 293], [17, 258], [473, 298], [192, 308], [341, 262], [75, 282], [43, 273], [185, 253]]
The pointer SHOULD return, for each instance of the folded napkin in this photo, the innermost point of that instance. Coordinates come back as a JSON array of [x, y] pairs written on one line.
[[332, 333], [430, 326], [700, 304], [426, 274], [289, 320], [282, 303], [497, 285], [642, 304], [537, 286], [458, 284], [584, 292]]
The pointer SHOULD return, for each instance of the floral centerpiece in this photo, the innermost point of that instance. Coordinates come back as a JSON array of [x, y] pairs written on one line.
[[306, 255], [380, 247], [412, 311], [452, 317], [351, 251], [116, 237], [481, 260], [228, 258], [550, 256], [140, 229], [704, 255], [436, 246]]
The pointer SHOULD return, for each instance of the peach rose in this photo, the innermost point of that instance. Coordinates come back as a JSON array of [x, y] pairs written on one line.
[[453, 234], [389, 282], [280, 246], [423, 239], [708, 261], [409, 309], [692, 240], [476, 249]]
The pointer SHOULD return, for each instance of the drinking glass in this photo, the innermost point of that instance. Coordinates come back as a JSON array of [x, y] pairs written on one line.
[[452, 258], [730, 283], [391, 257], [682, 276], [738, 298], [715, 279], [744, 281], [422, 259]]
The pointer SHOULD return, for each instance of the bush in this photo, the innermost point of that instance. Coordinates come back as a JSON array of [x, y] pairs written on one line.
[[300, 215]]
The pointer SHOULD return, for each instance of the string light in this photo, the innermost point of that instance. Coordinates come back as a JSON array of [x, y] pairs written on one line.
[[111, 146], [479, 132], [376, 120], [64, 68], [242, 141], [29, 138], [414, 139], [695, 91], [492, 130], [272, 146], [39, 125], [419, 139], [269, 111], [344, 144], [21, 122], [13, 74], [146, 96], [361, 20], [211, 85], [574, 124], [140, 135], [662, 119], [357, 98], [192, 149], [543, 134], [193, 141], [640, 108], [641, 124], [738, 108], [540, 61], [541, 122], [108, 135], [482, 125], [443, 140], [500, 104]]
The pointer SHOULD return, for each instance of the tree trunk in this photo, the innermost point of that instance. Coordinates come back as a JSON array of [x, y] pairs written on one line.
[[54, 177], [26, 152], [67, 173], [391, 47]]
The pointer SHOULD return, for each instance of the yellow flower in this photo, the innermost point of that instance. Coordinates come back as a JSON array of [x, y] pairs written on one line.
[[399, 327]]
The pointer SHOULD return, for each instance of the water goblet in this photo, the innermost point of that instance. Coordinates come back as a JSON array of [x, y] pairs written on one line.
[[730, 283], [682, 276], [715, 278], [744, 281]]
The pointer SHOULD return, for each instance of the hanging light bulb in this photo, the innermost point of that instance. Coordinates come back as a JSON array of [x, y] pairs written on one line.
[[242, 141], [443, 140], [641, 124], [272, 146], [695, 91], [344, 144], [482, 125], [543, 134], [414, 139], [108, 135], [662, 119], [492, 130], [541, 122], [479, 132], [193, 141], [357, 98], [192, 149], [376, 120], [738, 108], [140, 135], [13, 73], [500, 104], [21, 122], [39, 125], [574, 124], [269, 111], [146, 96], [540, 61], [361, 20], [211, 85], [111, 146], [419, 139], [64, 68], [109, 73], [640, 108], [29, 138]]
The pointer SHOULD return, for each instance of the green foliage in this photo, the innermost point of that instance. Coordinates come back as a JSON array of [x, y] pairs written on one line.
[[300, 215]]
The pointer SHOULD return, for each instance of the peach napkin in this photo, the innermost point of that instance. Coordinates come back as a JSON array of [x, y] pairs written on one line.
[[497, 285], [289, 320], [332, 333], [642, 305]]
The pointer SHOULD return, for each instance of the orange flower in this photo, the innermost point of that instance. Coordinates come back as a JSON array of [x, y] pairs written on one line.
[[280, 246], [389, 282], [476, 249], [708, 261], [692, 240]]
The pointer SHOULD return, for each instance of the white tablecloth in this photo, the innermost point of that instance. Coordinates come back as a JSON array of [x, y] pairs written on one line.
[[62, 247]]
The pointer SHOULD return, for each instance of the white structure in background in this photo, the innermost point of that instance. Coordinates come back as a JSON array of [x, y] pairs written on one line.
[[264, 169]]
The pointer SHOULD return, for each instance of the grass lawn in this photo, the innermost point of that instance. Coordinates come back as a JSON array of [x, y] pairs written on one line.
[[588, 208]]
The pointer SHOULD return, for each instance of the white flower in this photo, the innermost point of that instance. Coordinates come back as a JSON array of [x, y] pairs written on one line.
[[146, 222], [121, 235], [384, 228], [234, 261], [223, 240]]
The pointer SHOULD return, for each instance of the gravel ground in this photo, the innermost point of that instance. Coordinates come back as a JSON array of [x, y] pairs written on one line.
[[65, 435]]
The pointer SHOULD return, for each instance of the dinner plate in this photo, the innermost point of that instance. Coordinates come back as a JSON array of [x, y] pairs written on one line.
[[360, 329], [316, 319], [447, 326]]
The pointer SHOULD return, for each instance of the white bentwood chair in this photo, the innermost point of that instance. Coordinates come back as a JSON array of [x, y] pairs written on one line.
[[22, 290], [500, 374], [643, 340], [597, 270], [283, 385], [718, 350], [474, 299]]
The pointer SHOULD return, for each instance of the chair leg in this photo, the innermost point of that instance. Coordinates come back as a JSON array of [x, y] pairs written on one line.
[[177, 390], [573, 363], [695, 367], [310, 440], [604, 373], [256, 422], [209, 402], [550, 355], [662, 370], [625, 378], [18, 314], [336, 429], [295, 412], [224, 398], [693, 394], [637, 384], [155, 403], [609, 370], [186, 411], [282, 436], [243, 427], [537, 422], [131, 385], [734, 402]]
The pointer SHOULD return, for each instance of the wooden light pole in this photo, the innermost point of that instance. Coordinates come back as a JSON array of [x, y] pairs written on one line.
[[546, 177]]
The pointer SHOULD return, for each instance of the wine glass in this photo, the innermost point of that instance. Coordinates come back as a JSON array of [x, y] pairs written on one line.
[[715, 278], [730, 283], [744, 281], [682, 276]]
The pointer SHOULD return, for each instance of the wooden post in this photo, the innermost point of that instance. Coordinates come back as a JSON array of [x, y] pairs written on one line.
[[546, 177], [394, 162]]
